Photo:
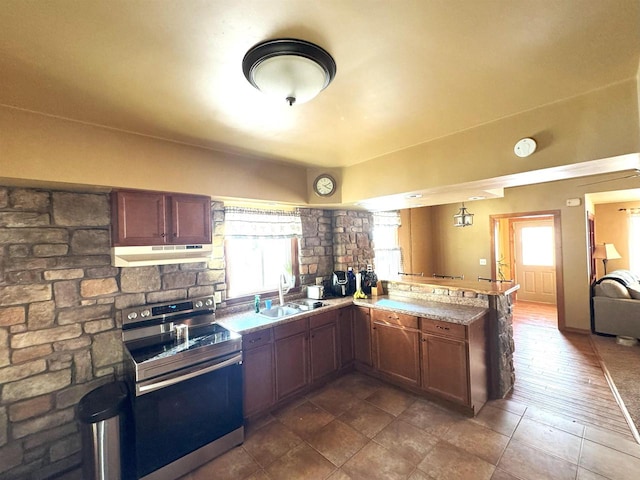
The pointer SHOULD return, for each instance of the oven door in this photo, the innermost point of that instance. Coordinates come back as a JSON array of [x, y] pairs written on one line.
[[177, 415]]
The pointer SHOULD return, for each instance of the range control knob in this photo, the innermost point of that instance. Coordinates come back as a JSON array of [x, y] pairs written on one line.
[[145, 313], [199, 304], [209, 302], [132, 316]]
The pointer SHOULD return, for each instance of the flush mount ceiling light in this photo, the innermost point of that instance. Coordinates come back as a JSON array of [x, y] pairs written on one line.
[[463, 218], [290, 69]]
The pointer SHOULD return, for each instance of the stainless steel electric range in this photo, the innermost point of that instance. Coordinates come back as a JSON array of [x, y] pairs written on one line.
[[185, 376]]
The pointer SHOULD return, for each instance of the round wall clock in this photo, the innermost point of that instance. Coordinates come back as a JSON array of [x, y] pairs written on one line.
[[324, 185]]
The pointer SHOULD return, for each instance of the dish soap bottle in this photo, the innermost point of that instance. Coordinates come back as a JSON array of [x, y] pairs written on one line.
[[256, 303]]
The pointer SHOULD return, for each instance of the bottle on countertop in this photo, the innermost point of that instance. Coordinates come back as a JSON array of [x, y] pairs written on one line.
[[351, 281], [256, 303]]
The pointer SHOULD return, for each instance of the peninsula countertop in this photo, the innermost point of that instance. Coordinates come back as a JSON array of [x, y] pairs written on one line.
[[477, 286]]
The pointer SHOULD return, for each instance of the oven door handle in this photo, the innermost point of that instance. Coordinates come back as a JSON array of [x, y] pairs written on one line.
[[141, 390]]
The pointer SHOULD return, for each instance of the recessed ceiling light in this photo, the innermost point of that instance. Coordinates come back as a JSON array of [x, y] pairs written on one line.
[[478, 197], [415, 195]]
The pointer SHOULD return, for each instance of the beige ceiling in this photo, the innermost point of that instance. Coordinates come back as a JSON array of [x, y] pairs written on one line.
[[408, 71]]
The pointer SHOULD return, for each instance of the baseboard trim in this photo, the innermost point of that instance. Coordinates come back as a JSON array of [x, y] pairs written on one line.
[[581, 331]]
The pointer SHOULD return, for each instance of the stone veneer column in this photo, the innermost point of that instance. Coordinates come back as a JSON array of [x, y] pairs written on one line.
[[316, 245], [352, 239], [502, 347]]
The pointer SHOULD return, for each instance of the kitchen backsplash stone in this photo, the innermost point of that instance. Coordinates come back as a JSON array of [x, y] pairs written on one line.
[[60, 298]]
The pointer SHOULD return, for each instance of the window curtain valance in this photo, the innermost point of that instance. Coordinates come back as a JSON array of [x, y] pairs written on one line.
[[257, 223], [387, 219]]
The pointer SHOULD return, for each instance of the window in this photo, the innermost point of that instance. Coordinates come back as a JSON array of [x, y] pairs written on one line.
[[537, 246], [385, 244], [634, 239], [259, 246]]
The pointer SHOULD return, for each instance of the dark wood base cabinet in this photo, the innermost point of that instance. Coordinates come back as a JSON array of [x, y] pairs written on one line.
[[362, 336], [289, 359], [258, 370], [396, 346], [292, 357], [444, 368], [442, 360]]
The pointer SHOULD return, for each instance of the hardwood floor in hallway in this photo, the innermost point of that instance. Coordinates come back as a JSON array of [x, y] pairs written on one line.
[[560, 372]]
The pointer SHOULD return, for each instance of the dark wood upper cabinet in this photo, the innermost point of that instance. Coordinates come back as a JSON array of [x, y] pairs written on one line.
[[159, 218]]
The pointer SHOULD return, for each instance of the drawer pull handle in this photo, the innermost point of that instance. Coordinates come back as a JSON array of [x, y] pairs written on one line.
[[255, 340], [442, 328]]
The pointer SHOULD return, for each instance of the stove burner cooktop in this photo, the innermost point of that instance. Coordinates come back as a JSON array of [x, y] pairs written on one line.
[[215, 334], [166, 338]]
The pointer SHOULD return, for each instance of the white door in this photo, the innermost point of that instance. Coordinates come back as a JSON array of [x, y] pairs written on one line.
[[535, 260]]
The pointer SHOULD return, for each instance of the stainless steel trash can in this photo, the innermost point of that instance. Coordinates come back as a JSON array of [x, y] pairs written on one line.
[[101, 414]]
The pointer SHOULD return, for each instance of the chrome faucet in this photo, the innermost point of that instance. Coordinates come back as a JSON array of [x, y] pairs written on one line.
[[284, 285]]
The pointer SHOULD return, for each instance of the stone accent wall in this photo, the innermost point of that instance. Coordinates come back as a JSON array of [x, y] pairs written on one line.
[[316, 246], [501, 347], [352, 240], [60, 303], [60, 331]]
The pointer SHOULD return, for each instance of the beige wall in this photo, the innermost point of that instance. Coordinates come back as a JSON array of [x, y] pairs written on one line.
[[458, 250], [415, 237], [35, 148], [612, 227], [599, 125]]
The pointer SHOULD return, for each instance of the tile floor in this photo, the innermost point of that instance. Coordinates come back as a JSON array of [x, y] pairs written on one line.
[[360, 428]]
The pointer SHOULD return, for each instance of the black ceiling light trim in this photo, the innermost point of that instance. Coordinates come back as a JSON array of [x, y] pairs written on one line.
[[287, 47]]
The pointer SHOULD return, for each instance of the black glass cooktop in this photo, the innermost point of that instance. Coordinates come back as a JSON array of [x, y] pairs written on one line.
[[206, 337]]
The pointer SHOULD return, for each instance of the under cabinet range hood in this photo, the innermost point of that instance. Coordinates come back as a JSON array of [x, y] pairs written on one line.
[[160, 255]]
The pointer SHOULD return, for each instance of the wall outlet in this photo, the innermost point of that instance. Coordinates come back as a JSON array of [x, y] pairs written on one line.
[[483, 261], [217, 297]]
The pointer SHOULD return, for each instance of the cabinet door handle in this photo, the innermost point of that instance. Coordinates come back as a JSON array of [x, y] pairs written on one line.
[[163, 235]]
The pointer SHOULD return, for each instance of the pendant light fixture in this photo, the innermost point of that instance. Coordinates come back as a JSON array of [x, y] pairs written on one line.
[[463, 218], [289, 69]]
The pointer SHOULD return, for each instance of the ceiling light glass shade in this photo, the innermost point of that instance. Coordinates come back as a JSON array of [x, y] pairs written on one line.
[[463, 218], [289, 69]]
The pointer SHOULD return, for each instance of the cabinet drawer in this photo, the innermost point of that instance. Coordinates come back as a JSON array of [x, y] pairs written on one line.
[[291, 328], [322, 319], [444, 328], [256, 339], [395, 318]]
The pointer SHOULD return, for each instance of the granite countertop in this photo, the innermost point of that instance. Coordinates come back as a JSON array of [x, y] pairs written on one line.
[[446, 312], [486, 288], [248, 322]]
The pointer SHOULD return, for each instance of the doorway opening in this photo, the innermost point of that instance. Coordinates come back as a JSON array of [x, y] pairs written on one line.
[[527, 249]]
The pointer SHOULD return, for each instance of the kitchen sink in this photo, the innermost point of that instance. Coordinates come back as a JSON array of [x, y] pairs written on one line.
[[305, 305], [280, 312]]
